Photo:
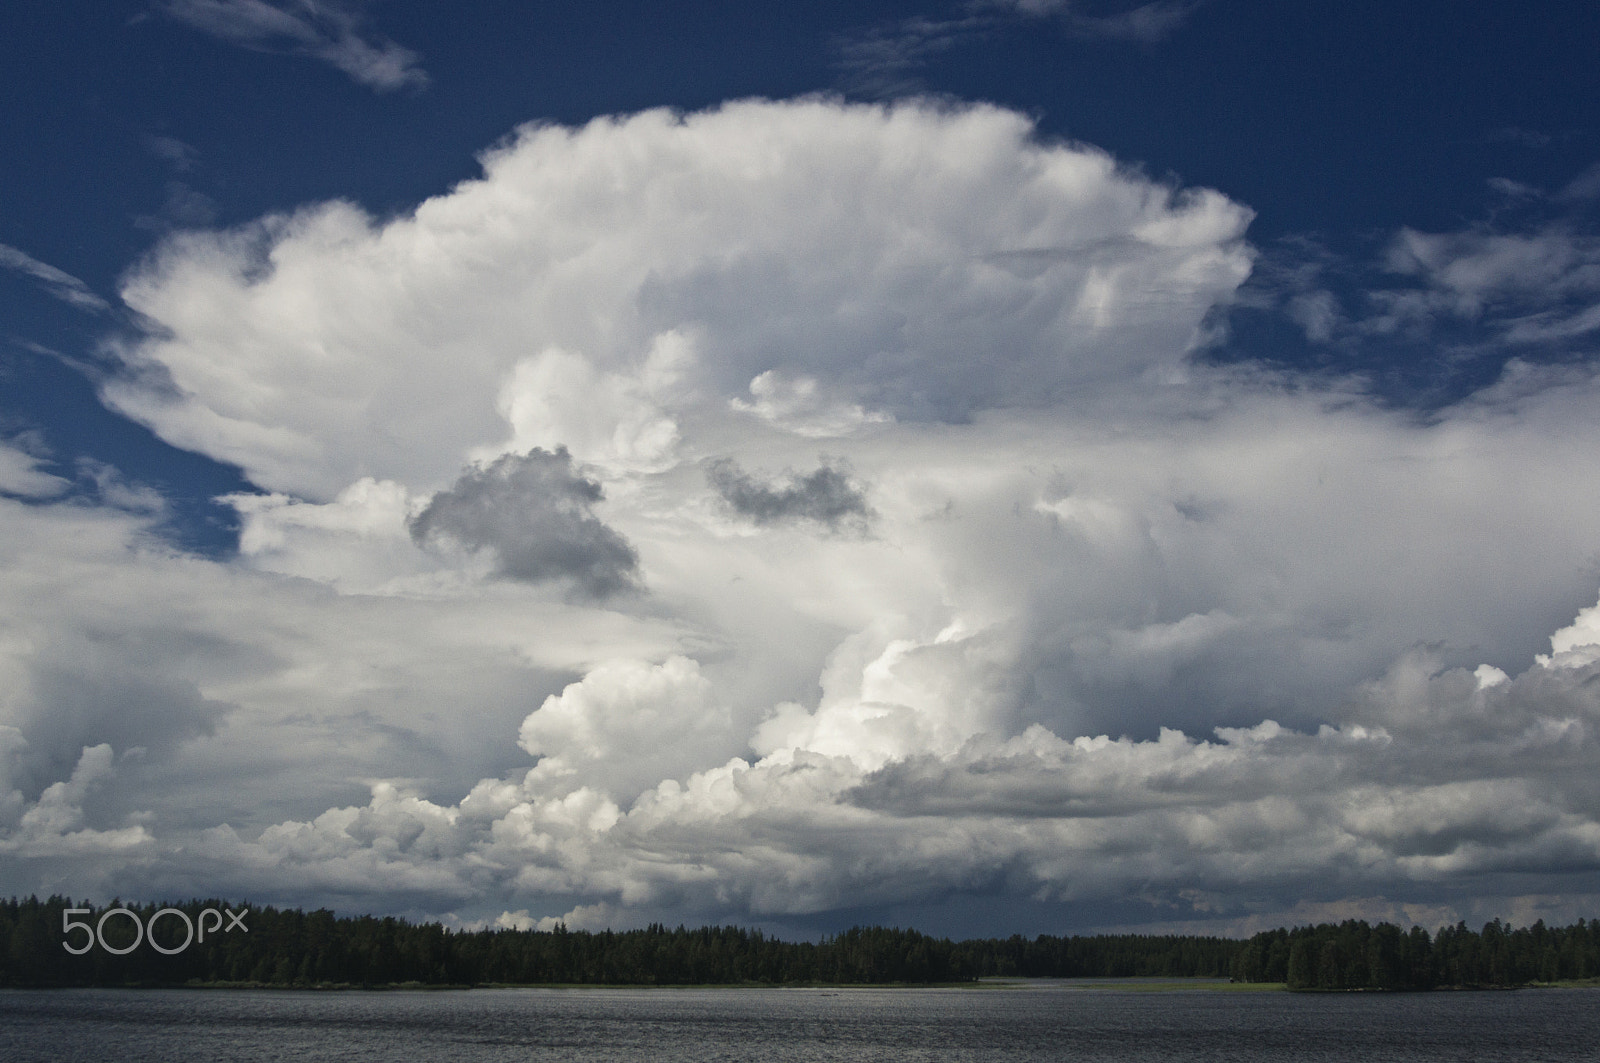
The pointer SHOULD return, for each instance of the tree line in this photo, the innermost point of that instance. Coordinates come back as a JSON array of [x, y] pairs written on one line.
[[289, 947], [1357, 955]]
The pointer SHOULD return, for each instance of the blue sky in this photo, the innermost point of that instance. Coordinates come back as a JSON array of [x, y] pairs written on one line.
[[1014, 465], [1338, 124]]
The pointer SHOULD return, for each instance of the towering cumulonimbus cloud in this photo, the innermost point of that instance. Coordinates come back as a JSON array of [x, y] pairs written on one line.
[[798, 506], [645, 267]]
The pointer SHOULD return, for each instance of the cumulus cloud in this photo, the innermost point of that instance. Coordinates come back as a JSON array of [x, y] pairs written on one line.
[[802, 406], [332, 31], [626, 726], [1128, 625], [1431, 782], [53, 826], [200, 671], [62, 285], [826, 496], [535, 513], [659, 263], [612, 420], [918, 774]]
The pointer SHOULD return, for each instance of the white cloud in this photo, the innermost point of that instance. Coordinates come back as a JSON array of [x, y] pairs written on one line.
[[685, 777], [658, 264], [1120, 624], [329, 30], [20, 475], [357, 542], [1398, 802], [557, 399], [62, 285], [1579, 640], [1317, 313], [800, 406], [1476, 268], [626, 726], [255, 697], [53, 826], [1520, 288]]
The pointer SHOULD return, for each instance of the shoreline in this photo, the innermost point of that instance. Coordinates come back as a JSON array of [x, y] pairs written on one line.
[[1071, 985]]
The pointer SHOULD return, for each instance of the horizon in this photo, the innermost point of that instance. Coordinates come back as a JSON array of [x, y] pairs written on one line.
[[993, 466], [246, 905]]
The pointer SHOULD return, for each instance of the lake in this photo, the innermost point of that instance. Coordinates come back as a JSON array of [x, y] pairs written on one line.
[[1050, 1021]]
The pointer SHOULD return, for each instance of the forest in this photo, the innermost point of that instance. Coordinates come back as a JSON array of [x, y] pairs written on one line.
[[54, 942], [1357, 955]]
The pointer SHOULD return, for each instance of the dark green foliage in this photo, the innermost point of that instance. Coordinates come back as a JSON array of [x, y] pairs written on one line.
[[1356, 955], [1104, 956], [291, 947]]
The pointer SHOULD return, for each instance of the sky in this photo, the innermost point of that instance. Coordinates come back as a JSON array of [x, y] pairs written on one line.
[[1006, 466]]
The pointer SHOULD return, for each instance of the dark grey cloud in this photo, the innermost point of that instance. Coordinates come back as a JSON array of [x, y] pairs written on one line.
[[95, 696], [827, 496], [535, 512], [330, 30]]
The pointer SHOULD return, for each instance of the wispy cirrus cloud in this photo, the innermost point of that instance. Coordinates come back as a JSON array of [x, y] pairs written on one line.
[[1438, 313], [1514, 289], [888, 59], [1146, 23], [333, 31], [59, 283], [174, 152], [1529, 286]]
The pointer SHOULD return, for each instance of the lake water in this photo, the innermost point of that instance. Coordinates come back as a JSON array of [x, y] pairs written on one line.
[[1038, 1022]]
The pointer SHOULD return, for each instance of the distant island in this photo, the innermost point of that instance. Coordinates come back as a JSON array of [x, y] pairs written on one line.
[[56, 943]]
